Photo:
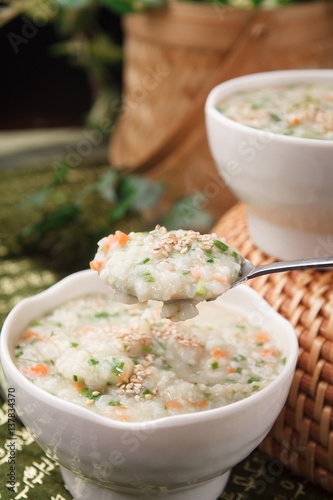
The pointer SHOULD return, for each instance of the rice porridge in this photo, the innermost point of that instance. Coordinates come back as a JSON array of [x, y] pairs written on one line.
[[179, 268], [126, 363], [299, 110]]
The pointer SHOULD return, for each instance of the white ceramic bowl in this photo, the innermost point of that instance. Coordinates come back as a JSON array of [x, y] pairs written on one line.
[[180, 457], [285, 182]]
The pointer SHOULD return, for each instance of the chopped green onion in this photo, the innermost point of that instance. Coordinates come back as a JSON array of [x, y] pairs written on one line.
[[239, 357], [201, 289], [102, 314], [283, 361], [147, 391], [75, 378], [19, 354], [89, 394], [274, 117], [220, 245], [117, 366], [93, 362], [148, 278], [214, 365], [74, 344], [144, 261], [235, 255], [35, 323], [210, 260], [114, 403], [239, 369], [253, 379]]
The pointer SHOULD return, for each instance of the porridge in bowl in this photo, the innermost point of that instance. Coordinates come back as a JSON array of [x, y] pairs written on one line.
[[126, 363], [299, 110]]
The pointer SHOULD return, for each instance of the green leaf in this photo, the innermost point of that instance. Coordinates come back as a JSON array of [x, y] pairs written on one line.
[[135, 193], [189, 213], [127, 6], [106, 185], [51, 221]]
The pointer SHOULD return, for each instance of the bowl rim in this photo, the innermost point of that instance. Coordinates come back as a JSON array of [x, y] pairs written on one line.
[[78, 411], [269, 78]]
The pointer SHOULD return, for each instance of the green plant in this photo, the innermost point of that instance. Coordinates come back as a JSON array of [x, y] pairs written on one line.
[[66, 222]]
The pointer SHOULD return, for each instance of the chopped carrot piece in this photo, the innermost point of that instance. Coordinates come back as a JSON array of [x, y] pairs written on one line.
[[261, 337], [268, 352], [295, 120], [218, 353], [196, 272], [221, 278], [121, 238], [39, 370], [32, 335], [202, 403], [173, 404], [96, 265], [231, 369]]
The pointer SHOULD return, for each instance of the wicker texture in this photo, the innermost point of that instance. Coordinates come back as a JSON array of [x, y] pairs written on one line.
[[302, 437], [175, 55]]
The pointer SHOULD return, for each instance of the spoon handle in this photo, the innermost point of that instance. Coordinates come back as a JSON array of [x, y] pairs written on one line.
[[292, 265]]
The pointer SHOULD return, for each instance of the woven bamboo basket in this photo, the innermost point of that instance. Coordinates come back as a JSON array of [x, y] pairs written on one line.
[[302, 437], [175, 55]]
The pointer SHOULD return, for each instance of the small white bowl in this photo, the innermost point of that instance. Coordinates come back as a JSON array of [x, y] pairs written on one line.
[[285, 182], [185, 457]]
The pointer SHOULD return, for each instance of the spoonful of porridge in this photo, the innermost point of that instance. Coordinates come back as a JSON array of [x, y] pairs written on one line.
[[179, 268]]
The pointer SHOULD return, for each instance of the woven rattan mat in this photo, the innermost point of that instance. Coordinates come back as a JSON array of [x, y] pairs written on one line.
[[302, 437]]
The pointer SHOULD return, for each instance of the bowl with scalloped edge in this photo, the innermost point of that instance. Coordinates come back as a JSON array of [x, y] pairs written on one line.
[[180, 457], [285, 181]]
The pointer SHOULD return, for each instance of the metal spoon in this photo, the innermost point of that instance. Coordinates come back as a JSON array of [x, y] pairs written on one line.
[[249, 271]]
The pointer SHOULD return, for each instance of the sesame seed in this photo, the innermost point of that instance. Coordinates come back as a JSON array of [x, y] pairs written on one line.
[[90, 402], [96, 393]]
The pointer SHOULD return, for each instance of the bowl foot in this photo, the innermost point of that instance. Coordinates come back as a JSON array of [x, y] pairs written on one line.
[[82, 489], [287, 244]]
